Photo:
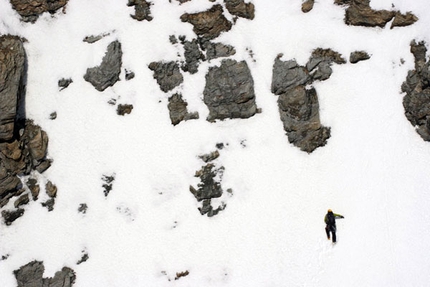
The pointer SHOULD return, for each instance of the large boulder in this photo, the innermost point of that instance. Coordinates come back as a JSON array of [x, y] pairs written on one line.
[[208, 24], [12, 69], [229, 91], [107, 74], [31, 275], [298, 104], [31, 9]]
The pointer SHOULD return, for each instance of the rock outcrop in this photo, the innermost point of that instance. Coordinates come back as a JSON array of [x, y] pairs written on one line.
[[359, 13], [417, 89], [229, 91], [218, 50], [178, 110], [167, 75], [107, 74], [298, 103], [12, 77], [31, 275], [208, 24], [30, 10], [240, 9], [142, 10]]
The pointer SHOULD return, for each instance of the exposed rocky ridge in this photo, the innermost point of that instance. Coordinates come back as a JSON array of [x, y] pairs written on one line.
[[107, 74], [12, 81], [359, 13], [142, 10], [31, 275], [229, 91], [240, 8], [298, 104], [23, 145], [30, 10], [167, 75], [208, 24], [178, 110], [417, 88]]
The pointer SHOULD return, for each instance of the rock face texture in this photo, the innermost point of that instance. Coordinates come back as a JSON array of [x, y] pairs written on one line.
[[178, 110], [30, 10], [208, 24], [31, 275], [12, 71], [167, 75], [193, 56], [240, 8], [229, 91], [417, 89], [142, 10], [107, 74], [298, 104], [359, 13]]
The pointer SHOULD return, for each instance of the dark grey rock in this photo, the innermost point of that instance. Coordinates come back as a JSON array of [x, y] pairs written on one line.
[[83, 259], [53, 116], [178, 110], [167, 75], [94, 38], [49, 204], [209, 187], [208, 24], [229, 91], [298, 105], [30, 10], [12, 72], [10, 216], [142, 10], [193, 56], [107, 74], [124, 109], [83, 207], [416, 102], [358, 56], [218, 50], [208, 209], [129, 75], [240, 9], [31, 275], [108, 179], [64, 83]]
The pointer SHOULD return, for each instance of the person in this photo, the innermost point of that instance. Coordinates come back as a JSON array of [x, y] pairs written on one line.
[[330, 221]]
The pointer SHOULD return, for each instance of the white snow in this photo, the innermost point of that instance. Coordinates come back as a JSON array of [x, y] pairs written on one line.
[[373, 170]]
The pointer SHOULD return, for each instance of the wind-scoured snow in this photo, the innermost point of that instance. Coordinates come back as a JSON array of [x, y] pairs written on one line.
[[373, 170]]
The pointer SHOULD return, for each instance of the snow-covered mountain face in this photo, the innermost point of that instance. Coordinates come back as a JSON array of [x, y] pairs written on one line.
[[201, 142]]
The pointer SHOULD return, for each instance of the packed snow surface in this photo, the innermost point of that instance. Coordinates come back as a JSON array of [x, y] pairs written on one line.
[[374, 169]]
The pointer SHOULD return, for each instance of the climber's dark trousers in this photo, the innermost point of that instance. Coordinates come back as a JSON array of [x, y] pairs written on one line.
[[333, 232]]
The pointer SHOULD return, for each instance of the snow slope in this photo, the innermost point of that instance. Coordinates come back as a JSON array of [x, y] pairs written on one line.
[[373, 170]]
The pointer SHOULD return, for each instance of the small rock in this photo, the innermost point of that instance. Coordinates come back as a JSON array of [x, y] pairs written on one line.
[[178, 110], [108, 179], [31, 275], [358, 56], [49, 204], [129, 75], [307, 6], [107, 74], [142, 10], [186, 272], [23, 199], [30, 10], [83, 208], [218, 50], [34, 187], [64, 83], [240, 9], [124, 109], [51, 189], [84, 258], [210, 157], [403, 20], [193, 55], [53, 116]]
